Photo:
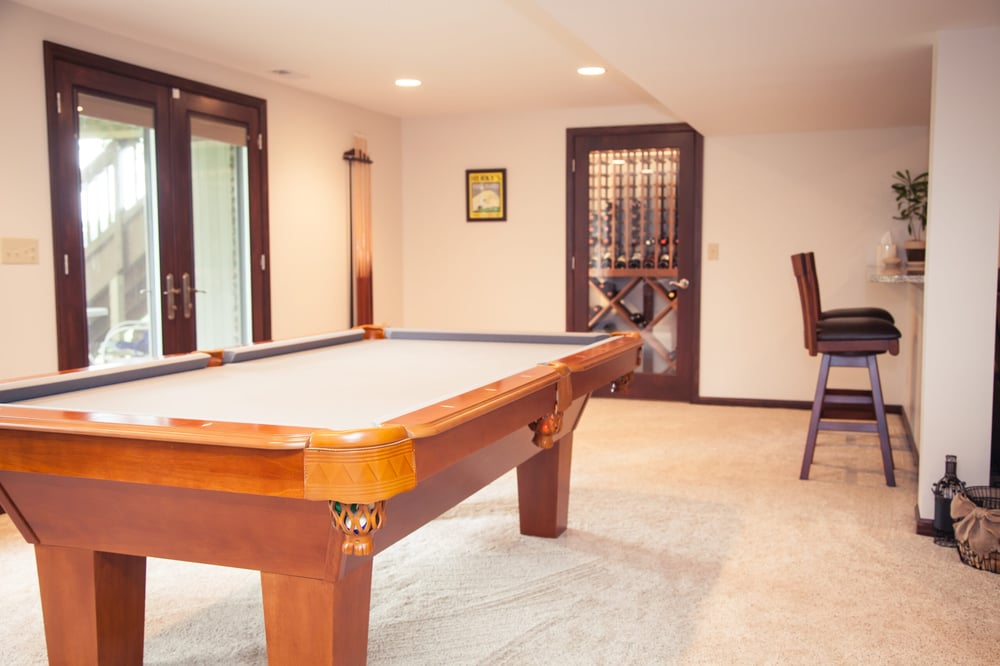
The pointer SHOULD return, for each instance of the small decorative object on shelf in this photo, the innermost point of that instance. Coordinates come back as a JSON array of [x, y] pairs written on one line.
[[944, 490]]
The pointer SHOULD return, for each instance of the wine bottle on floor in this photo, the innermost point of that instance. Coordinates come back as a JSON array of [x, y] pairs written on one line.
[[945, 490]]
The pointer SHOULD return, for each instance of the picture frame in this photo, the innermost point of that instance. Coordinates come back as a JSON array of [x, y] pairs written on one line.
[[486, 195]]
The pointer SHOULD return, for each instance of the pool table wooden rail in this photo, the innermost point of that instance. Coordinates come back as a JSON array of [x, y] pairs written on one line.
[[298, 462]]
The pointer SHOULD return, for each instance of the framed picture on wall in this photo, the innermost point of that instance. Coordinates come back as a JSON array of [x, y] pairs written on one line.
[[486, 195]]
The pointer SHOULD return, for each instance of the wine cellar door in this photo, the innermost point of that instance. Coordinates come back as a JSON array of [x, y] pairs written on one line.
[[634, 218]]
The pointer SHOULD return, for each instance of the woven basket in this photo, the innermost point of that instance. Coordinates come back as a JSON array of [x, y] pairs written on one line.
[[986, 498]]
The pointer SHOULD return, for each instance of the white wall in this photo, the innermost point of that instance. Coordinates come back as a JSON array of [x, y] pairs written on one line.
[[492, 275], [308, 191], [765, 197], [772, 195], [963, 228]]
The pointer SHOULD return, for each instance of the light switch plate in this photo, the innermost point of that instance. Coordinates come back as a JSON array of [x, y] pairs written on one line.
[[19, 250]]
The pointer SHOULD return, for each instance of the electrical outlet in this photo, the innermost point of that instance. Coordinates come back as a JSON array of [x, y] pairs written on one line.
[[19, 250]]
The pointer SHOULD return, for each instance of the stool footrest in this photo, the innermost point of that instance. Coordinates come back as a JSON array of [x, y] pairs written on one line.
[[850, 426], [848, 404]]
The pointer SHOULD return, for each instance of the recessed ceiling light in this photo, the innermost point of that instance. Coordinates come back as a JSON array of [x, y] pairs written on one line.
[[590, 71], [408, 83]]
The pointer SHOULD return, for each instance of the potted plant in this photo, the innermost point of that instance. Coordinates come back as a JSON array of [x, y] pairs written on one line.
[[911, 201]]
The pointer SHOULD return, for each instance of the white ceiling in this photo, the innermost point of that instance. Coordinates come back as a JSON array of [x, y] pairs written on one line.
[[724, 66]]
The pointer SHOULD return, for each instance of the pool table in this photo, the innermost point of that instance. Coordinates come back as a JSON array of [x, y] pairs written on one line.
[[302, 459]]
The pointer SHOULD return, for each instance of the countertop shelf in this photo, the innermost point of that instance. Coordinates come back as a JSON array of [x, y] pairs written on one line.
[[894, 276]]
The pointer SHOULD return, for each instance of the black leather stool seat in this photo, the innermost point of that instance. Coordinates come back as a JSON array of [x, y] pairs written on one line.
[[855, 328], [837, 313]]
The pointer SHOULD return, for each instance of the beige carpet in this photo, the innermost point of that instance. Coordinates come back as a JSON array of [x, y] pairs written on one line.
[[691, 541]]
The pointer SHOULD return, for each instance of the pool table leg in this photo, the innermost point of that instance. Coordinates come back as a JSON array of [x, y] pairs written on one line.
[[543, 490], [94, 605], [313, 621]]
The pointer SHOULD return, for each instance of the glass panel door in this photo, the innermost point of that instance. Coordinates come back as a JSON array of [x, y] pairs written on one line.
[[116, 149], [221, 231], [159, 201], [633, 227]]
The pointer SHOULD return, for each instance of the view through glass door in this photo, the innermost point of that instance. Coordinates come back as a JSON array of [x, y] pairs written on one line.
[[634, 238], [220, 214], [159, 212], [119, 227]]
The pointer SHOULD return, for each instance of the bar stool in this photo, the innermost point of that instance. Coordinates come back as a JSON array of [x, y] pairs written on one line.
[[845, 340]]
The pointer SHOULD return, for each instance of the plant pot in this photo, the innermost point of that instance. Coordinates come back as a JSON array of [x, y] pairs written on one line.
[[915, 251]]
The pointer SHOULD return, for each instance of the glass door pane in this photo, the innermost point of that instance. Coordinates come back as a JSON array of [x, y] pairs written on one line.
[[633, 239], [119, 228], [221, 228]]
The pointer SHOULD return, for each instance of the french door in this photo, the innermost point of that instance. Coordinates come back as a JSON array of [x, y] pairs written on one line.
[[159, 212], [634, 238]]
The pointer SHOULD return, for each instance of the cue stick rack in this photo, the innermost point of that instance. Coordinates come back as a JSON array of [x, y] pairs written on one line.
[[632, 229], [362, 302]]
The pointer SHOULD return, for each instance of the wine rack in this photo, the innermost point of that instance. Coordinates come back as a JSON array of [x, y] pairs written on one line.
[[632, 249]]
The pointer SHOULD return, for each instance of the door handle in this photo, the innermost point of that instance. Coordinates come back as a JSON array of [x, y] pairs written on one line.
[[170, 293], [187, 290], [683, 283]]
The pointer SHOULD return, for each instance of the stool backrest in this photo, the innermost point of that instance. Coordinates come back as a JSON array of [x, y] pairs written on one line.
[[804, 267], [813, 278]]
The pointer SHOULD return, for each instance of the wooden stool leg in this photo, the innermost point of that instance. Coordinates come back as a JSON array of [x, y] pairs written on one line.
[[883, 424], [817, 411]]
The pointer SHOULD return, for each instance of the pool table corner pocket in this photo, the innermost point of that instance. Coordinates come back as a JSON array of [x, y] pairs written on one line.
[[356, 471]]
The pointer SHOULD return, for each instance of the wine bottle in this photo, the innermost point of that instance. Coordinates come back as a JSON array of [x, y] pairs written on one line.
[[636, 211], [636, 260], [638, 319], [944, 490]]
